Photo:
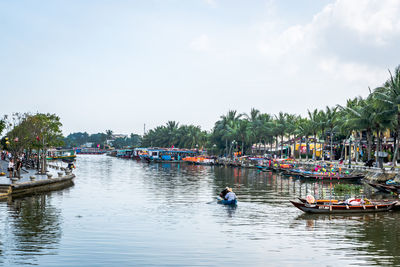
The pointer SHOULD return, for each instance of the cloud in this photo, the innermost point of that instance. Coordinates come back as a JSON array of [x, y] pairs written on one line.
[[200, 43], [352, 40], [211, 3]]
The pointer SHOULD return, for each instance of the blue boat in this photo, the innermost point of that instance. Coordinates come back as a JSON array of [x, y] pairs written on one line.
[[226, 202]]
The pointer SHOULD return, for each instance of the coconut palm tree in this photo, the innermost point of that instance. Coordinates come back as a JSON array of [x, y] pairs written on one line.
[[389, 96], [280, 128], [266, 129], [254, 126], [330, 122], [304, 129], [316, 125], [369, 116], [291, 124]]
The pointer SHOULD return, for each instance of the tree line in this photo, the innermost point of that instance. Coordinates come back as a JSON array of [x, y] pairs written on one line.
[[361, 121], [26, 132], [103, 140]]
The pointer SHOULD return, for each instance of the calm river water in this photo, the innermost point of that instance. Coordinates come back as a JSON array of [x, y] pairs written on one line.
[[126, 213]]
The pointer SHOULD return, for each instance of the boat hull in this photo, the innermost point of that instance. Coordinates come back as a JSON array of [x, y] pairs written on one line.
[[333, 209], [226, 202]]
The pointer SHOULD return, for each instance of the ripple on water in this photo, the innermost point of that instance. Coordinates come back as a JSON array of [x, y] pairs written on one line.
[[122, 212]]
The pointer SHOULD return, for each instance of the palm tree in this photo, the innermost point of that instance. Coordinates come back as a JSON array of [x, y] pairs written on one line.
[[254, 125], [280, 128], [315, 122], [242, 132], [109, 134], [304, 128], [330, 122], [171, 131], [291, 124], [225, 128], [389, 96], [367, 115], [266, 129]]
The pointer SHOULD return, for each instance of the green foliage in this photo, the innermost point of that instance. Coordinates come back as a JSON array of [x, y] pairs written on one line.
[[347, 188], [80, 138], [76, 139], [37, 131], [184, 136], [2, 126]]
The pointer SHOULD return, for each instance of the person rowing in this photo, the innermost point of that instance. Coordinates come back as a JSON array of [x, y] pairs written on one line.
[[230, 197], [224, 192]]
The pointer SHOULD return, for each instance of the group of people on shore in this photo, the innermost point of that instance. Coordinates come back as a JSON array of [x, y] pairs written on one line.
[[14, 169], [15, 163]]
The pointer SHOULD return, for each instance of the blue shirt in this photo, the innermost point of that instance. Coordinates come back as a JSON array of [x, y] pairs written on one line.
[[230, 196]]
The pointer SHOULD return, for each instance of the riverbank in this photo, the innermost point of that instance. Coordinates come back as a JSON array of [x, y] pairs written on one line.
[[372, 174], [30, 182]]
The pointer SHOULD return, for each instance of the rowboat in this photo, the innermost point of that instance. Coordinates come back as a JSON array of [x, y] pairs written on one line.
[[386, 188], [226, 202], [321, 175], [330, 208]]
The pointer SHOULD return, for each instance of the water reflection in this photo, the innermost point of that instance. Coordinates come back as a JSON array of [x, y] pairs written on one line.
[[122, 212], [35, 229]]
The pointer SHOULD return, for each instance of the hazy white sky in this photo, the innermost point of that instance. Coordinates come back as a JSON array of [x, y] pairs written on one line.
[[119, 64]]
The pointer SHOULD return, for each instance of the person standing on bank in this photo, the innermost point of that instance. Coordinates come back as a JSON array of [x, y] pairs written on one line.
[[11, 168], [18, 168]]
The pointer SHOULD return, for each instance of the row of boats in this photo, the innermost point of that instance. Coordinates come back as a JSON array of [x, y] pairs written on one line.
[[327, 171]]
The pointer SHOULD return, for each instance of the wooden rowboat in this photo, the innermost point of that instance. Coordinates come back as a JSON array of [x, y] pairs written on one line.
[[328, 208], [386, 188], [226, 202]]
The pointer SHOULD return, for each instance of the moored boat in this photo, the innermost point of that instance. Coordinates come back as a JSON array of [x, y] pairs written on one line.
[[322, 175], [89, 151], [329, 208], [63, 154]]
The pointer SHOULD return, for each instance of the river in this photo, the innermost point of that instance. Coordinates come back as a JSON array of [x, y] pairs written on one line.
[[127, 213]]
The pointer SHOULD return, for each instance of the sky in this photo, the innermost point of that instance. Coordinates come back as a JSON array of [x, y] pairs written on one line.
[[121, 64]]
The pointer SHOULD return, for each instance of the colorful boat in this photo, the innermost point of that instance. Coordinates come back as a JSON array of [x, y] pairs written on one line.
[[167, 155], [200, 160], [64, 154], [89, 151], [124, 153]]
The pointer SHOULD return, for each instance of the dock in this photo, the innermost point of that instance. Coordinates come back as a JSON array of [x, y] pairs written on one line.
[[31, 183]]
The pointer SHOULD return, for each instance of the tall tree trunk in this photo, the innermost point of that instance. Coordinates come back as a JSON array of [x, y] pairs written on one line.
[[323, 146], [369, 144], [294, 147], [342, 155], [281, 146], [307, 148], [276, 147], [331, 155], [301, 141], [315, 147], [396, 151], [377, 150]]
